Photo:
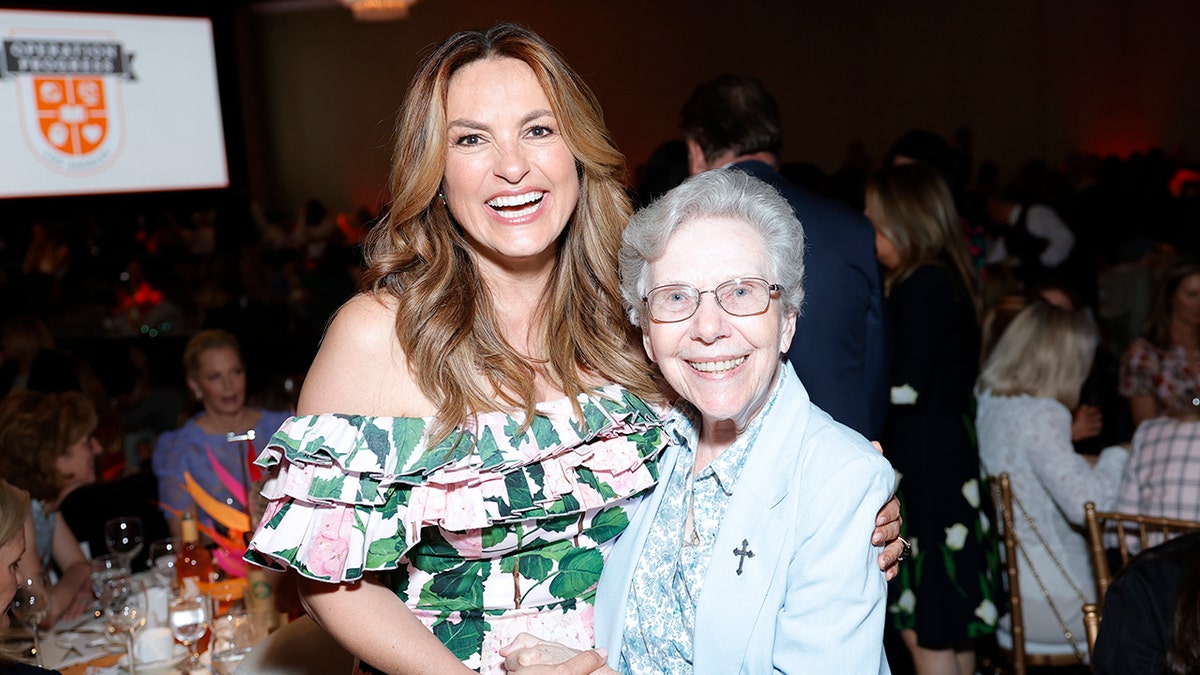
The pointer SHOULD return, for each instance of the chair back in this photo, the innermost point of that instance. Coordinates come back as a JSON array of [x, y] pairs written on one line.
[[1148, 530], [1020, 660]]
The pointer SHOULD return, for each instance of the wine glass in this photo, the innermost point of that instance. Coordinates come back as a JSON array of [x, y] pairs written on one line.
[[162, 560], [107, 567], [188, 616], [30, 606], [123, 536], [125, 610], [234, 633]]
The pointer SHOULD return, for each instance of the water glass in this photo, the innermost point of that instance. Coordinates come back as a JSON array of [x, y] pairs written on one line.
[[189, 616], [162, 560], [235, 632], [107, 567], [125, 610]]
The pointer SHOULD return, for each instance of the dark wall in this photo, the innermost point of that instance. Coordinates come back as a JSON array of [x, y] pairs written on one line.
[[1031, 78]]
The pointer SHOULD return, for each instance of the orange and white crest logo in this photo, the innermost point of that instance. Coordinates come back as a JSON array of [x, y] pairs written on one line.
[[68, 93]]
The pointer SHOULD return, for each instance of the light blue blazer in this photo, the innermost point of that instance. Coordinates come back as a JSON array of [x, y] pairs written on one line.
[[812, 598]]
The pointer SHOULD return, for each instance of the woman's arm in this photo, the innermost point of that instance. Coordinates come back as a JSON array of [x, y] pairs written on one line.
[[1069, 478], [359, 368], [73, 592], [373, 624]]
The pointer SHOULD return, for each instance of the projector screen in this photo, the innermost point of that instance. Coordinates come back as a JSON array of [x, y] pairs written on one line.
[[102, 103]]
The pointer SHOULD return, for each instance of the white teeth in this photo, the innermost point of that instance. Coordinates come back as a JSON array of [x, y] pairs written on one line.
[[717, 366], [515, 200]]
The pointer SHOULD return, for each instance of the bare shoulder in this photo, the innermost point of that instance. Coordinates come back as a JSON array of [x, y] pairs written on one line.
[[360, 367]]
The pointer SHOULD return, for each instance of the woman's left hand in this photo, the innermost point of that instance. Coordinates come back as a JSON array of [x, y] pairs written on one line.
[[531, 655]]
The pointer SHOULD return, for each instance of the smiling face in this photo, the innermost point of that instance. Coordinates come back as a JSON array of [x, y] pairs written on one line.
[[220, 381], [510, 181], [725, 365], [10, 552]]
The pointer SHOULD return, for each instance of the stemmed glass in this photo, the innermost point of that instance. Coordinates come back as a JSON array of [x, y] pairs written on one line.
[[125, 610], [123, 536], [30, 605], [107, 567], [162, 560], [188, 616]]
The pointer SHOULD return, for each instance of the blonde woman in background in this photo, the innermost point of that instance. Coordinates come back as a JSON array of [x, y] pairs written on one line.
[[216, 378], [1026, 392], [14, 515]]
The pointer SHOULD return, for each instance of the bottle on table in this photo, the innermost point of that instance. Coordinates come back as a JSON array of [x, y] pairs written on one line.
[[193, 560]]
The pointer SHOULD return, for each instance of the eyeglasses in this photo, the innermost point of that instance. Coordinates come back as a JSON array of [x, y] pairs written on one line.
[[739, 297]]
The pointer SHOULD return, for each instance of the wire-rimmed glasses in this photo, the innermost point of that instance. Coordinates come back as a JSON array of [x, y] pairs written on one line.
[[745, 296]]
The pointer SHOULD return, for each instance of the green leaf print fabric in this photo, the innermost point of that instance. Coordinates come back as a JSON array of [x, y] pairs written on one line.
[[484, 534]]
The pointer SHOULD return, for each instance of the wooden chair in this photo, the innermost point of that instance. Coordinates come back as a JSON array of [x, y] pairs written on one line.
[[1017, 656], [1149, 530]]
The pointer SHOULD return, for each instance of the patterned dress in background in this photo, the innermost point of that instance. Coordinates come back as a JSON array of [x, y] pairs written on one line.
[[484, 534], [1167, 375], [949, 592]]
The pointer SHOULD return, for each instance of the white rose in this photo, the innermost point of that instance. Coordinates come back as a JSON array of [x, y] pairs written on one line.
[[956, 536], [904, 395], [985, 525], [912, 541], [987, 613], [907, 600], [970, 491]]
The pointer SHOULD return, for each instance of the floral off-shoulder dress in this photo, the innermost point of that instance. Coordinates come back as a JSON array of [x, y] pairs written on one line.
[[486, 533]]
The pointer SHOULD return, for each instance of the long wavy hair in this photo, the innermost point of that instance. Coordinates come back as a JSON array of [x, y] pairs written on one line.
[[911, 205], [446, 319], [1158, 321], [35, 430]]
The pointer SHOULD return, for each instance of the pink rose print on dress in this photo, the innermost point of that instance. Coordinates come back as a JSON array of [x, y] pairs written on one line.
[[329, 549]]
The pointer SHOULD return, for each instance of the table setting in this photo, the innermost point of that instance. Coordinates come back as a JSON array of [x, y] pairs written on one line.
[[161, 624]]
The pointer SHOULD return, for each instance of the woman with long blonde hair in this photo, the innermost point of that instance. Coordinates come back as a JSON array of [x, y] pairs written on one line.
[[948, 595]]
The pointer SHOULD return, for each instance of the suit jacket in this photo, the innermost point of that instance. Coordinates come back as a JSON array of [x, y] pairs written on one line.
[[839, 348], [812, 598]]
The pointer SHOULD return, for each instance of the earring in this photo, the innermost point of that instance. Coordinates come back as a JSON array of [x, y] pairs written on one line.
[[442, 196]]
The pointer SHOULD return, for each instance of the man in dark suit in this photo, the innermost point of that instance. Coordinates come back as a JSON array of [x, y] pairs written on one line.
[[838, 351]]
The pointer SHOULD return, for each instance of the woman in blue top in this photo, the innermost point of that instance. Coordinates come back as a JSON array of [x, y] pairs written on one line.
[[216, 377]]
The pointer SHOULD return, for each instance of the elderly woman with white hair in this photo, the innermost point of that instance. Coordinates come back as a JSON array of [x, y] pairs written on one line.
[[744, 559]]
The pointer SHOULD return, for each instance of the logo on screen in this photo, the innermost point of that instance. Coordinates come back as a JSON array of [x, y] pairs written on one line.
[[69, 99]]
